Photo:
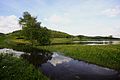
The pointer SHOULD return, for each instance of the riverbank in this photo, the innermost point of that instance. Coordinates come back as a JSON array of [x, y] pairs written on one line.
[[103, 55], [13, 68]]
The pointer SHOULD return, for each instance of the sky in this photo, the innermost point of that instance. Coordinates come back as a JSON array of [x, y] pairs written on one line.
[[76, 17]]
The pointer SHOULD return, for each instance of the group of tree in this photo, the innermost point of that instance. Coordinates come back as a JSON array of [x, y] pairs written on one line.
[[33, 31], [110, 37]]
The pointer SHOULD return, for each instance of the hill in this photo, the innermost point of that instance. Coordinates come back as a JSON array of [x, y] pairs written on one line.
[[54, 34], [59, 34]]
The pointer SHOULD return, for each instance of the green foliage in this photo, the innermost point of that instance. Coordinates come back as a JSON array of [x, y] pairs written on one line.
[[12, 68], [33, 31], [3, 40], [44, 36]]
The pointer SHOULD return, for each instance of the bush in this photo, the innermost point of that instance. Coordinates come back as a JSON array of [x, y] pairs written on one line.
[[12, 68]]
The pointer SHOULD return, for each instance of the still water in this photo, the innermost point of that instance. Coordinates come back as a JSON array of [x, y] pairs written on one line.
[[89, 43], [59, 67]]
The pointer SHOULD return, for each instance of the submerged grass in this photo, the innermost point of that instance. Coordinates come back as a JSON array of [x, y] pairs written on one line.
[[104, 55]]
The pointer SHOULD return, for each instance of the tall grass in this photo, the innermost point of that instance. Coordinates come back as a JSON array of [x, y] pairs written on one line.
[[104, 55], [61, 40], [12, 68]]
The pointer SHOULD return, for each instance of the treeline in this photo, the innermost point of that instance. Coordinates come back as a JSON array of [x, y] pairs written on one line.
[[110, 37], [2, 34]]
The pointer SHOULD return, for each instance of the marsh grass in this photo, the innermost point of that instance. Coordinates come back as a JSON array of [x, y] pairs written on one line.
[[61, 40], [104, 55]]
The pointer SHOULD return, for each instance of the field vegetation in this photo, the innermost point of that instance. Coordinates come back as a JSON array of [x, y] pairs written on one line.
[[34, 36], [104, 55], [12, 68]]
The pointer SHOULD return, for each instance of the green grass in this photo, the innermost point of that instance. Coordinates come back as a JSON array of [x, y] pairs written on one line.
[[8, 41], [2, 40], [12, 68], [17, 68], [64, 40], [61, 40], [104, 55]]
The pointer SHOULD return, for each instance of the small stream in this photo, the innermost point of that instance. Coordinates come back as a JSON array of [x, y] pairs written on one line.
[[59, 67]]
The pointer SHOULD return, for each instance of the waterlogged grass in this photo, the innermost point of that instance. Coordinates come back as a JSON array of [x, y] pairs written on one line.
[[61, 40], [104, 55], [12, 68], [64, 40]]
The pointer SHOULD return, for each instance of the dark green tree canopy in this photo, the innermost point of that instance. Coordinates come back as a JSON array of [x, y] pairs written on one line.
[[33, 31]]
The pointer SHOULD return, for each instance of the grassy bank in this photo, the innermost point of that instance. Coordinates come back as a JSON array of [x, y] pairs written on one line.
[[61, 40], [104, 55], [12, 68]]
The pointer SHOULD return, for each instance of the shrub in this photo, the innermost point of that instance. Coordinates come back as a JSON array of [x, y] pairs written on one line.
[[12, 68]]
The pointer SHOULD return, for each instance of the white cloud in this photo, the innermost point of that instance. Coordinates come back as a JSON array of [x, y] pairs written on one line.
[[9, 24], [58, 19], [112, 12]]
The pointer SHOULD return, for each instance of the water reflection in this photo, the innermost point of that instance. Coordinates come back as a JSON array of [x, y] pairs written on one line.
[[65, 68], [89, 43], [59, 67], [58, 59], [37, 58], [11, 51], [94, 42]]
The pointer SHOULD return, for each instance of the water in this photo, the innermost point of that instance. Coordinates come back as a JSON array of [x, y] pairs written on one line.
[[59, 67], [65, 68], [97, 42], [89, 43], [11, 51]]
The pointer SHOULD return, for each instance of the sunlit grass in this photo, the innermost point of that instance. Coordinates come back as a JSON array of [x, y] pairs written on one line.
[[61, 40], [104, 55], [22, 41]]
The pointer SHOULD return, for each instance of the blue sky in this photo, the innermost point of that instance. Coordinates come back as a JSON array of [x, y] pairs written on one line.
[[84, 17]]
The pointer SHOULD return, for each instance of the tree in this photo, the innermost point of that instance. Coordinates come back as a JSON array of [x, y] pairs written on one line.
[[33, 31], [110, 36]]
